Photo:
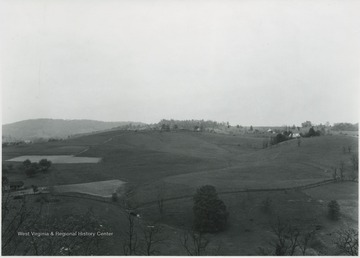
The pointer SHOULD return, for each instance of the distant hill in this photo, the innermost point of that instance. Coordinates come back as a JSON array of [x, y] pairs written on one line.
[[55, 128]]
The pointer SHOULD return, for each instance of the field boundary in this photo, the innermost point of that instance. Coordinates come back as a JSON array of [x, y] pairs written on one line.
[[246, 190], [144, 205]]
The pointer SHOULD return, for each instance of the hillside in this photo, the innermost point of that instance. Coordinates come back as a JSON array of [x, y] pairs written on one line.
[[170, 166], [54, 128], [192, 159]]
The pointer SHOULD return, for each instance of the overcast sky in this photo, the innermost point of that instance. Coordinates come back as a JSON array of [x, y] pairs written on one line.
[[246, 62]]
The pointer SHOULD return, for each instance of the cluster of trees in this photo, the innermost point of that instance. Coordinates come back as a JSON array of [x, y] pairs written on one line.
[[339, 172], [289, 240], [345, 127], [210, 215], [191, 125], [19, 216], [141, 238], [32, 168], [306, 124], [14, 143], [312, 133], [279, 138], [288, 135]]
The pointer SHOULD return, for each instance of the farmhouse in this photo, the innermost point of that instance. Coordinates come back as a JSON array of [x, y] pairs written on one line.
[[270, 131]]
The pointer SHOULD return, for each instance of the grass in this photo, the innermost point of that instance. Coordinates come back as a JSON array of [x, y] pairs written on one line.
[[175, 164], [99, 188], [56, 159]]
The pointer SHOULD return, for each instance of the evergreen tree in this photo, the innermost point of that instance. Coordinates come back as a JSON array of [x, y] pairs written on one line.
[[209, 211]]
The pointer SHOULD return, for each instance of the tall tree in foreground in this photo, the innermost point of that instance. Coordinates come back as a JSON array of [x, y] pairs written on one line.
[[210, 214]]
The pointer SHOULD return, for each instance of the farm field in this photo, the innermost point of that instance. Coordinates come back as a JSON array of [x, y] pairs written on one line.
[[57, 159], [99, 188], [172, 165]]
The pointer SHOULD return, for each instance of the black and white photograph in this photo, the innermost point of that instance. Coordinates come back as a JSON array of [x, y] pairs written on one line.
[[180, 127]]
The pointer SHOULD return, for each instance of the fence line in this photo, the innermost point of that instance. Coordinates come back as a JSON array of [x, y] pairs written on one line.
[[143, 205]]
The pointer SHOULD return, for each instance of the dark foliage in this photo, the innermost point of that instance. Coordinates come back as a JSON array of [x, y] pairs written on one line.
[[31, 171], [44, 165], [191, 124], [312, 133], [209, 211], [334, 210], [278, 138], [27, 163], [345, 127], [306, 124]]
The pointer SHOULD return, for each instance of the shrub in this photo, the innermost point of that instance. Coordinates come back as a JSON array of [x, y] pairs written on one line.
[[114, 197], [209, 211], [30, 171], [278, 138], [312, 132], [267, 205], [44, 164], [26, 163], [334, 210]]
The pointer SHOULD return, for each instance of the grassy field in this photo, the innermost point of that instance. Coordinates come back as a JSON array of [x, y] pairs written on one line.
[[99, 188], [56, 159], [175, 164]]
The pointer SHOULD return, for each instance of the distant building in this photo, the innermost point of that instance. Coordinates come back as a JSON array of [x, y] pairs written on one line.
[[270, 130]]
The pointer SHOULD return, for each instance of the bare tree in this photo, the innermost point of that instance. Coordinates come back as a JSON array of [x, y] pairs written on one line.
[[130, 244], [160, 199], [342, 169], [73, 244], [15, 214], [18, 217], [334, 175], [347, 241], [152, 239], [355, 161], [287, 238], [305, 240], [194, 243]]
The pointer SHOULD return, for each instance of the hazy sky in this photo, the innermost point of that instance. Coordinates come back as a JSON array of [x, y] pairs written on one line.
[[246, 62]]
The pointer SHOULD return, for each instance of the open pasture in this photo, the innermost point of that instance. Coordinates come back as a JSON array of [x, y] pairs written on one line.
[[57, 159], [46, 148], [100, 188], [250, 225], [172, 165], [346, 193]]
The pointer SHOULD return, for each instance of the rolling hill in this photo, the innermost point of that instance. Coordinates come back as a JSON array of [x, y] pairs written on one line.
[[54, 128], [174, 164]]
